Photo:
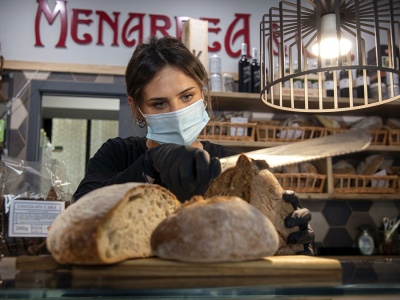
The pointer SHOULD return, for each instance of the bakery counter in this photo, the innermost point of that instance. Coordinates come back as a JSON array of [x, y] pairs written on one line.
[[289, 277]]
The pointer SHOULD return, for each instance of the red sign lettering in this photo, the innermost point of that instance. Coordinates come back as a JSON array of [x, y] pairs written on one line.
[[103, 17], [87, 38], [232, 36], [44, 8], [138, 27], [133, 27], [155, 27]]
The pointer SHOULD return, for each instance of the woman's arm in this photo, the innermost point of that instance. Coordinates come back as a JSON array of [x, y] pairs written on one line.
[[117, 161]]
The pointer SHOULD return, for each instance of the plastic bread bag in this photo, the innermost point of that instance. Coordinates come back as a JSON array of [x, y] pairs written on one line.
[[32, 195]]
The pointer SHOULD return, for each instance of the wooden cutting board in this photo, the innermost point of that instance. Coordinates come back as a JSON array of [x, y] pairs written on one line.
[[275, 271], [269, 266], [157, 273]]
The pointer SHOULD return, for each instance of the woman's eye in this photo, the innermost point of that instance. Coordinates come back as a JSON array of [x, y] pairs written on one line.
[[187, 97], [160, 104]]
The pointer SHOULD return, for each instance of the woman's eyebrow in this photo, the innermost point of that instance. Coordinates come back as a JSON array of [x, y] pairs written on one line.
[[186, 90]]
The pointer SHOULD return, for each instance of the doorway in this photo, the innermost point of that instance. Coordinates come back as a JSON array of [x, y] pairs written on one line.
[[76, 118]]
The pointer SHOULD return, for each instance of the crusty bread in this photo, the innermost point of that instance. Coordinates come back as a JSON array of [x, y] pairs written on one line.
[[370, 165], [218, 229], [343, 167], [110, 224], [261, 189]]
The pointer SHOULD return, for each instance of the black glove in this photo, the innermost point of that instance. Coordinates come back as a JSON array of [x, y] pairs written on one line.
[[186, 171], [300, 217]]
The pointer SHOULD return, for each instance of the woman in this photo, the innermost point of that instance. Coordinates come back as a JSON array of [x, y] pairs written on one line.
[[167, 89]]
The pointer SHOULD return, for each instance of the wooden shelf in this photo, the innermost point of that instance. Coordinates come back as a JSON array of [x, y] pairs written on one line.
[[252, 102], [231, 101]]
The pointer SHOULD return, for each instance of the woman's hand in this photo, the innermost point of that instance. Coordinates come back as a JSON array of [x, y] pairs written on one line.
[[300, 217], [184, 170]]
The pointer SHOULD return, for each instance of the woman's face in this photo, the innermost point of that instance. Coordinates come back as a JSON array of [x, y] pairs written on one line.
[[170, 90]]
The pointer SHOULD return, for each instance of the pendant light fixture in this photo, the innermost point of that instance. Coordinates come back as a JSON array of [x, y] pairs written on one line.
[[331, 46], [308, 41]]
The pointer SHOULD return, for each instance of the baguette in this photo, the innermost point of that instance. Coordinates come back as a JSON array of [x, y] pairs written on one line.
[[261, 189], [110, 224], [218, 229]]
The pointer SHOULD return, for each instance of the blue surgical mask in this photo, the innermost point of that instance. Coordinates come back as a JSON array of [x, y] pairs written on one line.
[[180, 127]]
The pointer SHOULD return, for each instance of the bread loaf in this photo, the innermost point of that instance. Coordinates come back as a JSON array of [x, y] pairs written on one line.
[[343, 167], [261, 189], [372, 123], [219, 229], [370, 165], [110, 224]]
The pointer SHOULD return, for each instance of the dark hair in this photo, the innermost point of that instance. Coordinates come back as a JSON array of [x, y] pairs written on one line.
[[151, 57]]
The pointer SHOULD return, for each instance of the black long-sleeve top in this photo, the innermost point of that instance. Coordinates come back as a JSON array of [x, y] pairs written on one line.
[[120, 160]]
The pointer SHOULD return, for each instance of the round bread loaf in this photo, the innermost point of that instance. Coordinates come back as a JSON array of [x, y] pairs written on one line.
[[261, 189], [110, 224], [218, 229]]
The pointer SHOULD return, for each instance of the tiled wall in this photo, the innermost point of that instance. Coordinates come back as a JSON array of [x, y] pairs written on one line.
[[335, 222]]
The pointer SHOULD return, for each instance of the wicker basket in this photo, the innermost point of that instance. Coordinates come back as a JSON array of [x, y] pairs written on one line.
[[365, 184], [271, 133], [394, 137], [379, 137], [229, 131], [302, 182]]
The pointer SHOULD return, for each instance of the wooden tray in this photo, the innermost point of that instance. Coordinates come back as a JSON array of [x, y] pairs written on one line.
[[302, 182], [379, 137], [394, 137], [270, 133], [229, 131], [365, 184]]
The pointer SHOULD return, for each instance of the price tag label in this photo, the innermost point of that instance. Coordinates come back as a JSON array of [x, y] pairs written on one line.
[[30, 218]]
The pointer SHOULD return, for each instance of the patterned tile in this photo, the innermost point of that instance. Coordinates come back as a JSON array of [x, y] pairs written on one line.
[[17, 145], [338, 237], [61, 76], [18, 114], [36, 75], [319, 225], [380, 209], [360, 205], [104, 79], [85, 77], [313, 205], [119, 79], [336, 212]]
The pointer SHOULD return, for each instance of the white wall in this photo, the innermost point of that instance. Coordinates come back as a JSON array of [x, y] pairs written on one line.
[[17, 22]]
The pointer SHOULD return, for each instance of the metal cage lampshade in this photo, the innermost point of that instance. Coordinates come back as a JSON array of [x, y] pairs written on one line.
[[302, 41]]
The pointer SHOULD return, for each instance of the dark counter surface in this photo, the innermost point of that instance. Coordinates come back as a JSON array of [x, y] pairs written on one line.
[[362, 276]]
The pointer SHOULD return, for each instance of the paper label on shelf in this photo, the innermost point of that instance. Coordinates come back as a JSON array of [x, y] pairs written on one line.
[[30, 218], [291, 133], [239, 131], [379, 183]]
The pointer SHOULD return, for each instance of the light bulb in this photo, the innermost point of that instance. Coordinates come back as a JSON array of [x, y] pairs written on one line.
[[330, 47], [329, 42]]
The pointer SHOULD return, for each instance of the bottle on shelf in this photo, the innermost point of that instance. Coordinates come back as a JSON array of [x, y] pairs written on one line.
[[298, 82], [344, 83], [313, 78], [255, 72], [215, 73], [286, 83], [360, 83], [328, 84], [244, 71]]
